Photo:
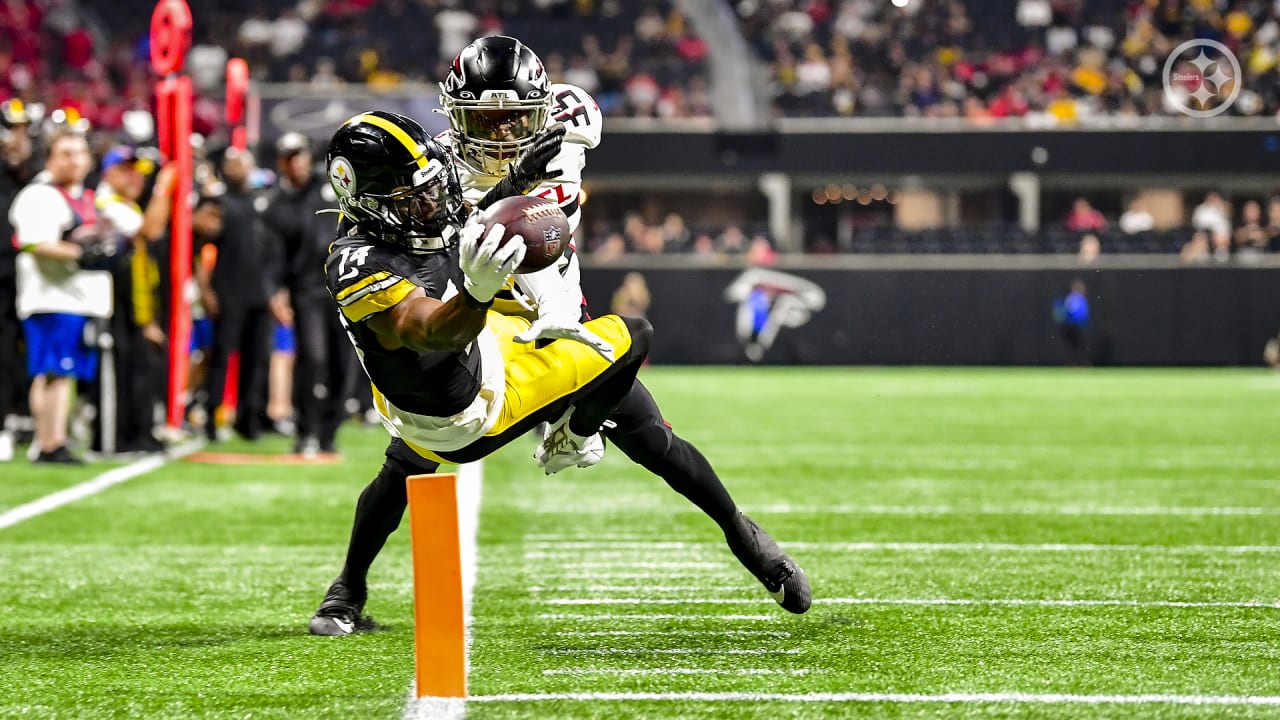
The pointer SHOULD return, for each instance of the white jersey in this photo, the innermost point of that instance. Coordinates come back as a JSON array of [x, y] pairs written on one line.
[[583, 123], [40, 215]]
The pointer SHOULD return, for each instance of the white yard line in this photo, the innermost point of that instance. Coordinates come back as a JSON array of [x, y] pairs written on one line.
[[623, 549], [1031, 509], [1044, 509], [946, 698], [579, 589], [631, 617], [1028, 509], [669, 651], [95, 485], [469, 488], [642, 564], [624, 672], [995, 602], [667, 633]]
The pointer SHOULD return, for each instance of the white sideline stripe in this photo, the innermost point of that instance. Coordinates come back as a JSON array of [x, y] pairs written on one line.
[[644, 565], [622, 549], [948, 698], [1032, 509], [1029, 509], [613, 617], [616, 588], [668, 651], [1011, 602], [665, 633], [469, 488], [94, 485], [647, 575], [674, 671]]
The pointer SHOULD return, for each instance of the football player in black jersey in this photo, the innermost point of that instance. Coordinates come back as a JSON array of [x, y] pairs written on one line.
[[452, 382]]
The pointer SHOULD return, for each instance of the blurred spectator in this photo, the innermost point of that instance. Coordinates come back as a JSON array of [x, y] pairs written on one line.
[[1071, 314], [324, 373], [1196, 251], [760, 252], [456, 26], [1250, 237], [1273, 224], [1213, 216], [280, 380], [1084, 218], [235, 294], [53, 222], [1136, 219], [1090, 248], [16, 171], [632, 296], [137, 340]]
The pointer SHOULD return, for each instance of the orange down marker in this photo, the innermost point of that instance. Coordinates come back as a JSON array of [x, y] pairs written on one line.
[[440, 636]]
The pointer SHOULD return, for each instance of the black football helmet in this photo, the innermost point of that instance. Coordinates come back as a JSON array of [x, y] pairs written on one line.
[[394, 181], [497, 97]]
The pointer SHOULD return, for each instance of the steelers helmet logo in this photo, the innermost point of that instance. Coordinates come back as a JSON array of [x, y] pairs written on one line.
[[342, 177]]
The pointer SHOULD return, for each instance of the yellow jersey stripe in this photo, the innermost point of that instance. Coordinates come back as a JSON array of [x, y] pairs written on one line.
[[396, 132], [376, 302], [342, 294]]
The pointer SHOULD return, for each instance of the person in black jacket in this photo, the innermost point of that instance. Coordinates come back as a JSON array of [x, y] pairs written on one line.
[[324, 373], [16, 170], [236, 296]]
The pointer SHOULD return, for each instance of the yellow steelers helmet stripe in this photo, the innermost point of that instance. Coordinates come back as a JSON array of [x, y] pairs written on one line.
[[366, 282], [414, 149]]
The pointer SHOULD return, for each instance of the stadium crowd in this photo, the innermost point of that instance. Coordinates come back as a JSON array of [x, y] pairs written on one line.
[[1059, 59], [637, 59]]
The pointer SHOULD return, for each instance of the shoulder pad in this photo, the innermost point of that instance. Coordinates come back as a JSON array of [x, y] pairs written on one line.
[[579, 112], [365, 277]]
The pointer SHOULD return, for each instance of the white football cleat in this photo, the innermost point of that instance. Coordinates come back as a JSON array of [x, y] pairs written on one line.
[[562, 448]]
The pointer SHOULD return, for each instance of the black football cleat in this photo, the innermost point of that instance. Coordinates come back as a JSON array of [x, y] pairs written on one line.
[[340, 612], [779, 574]]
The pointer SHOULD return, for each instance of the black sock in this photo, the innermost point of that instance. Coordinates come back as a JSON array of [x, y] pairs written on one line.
[[378, 514], [683, 467]]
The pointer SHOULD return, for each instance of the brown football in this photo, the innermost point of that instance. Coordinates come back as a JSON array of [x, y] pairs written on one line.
[[540, 222]]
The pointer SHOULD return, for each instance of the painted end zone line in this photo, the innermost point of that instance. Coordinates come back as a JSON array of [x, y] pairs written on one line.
[[114, 476], [988, 698]]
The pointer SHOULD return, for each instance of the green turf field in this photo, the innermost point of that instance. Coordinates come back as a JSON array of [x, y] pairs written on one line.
[[989, 535]]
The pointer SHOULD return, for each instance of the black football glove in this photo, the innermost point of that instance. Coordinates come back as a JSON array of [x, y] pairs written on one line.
[[98, 254], [531, 169]]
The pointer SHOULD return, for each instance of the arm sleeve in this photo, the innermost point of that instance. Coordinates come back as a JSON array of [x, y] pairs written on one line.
[[552, 291]]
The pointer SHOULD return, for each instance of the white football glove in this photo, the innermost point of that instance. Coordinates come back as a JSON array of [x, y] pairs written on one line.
[[485, 265], [559, 305], [560, 326]]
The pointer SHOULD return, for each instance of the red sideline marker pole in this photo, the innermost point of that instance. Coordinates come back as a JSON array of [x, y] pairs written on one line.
[[440, 638], [170, 40]]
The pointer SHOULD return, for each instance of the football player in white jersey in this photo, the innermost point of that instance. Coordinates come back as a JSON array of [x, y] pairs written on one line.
[[513, 132]]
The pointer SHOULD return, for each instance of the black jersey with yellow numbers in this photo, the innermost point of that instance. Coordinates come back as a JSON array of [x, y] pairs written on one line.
[[365, 277]]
